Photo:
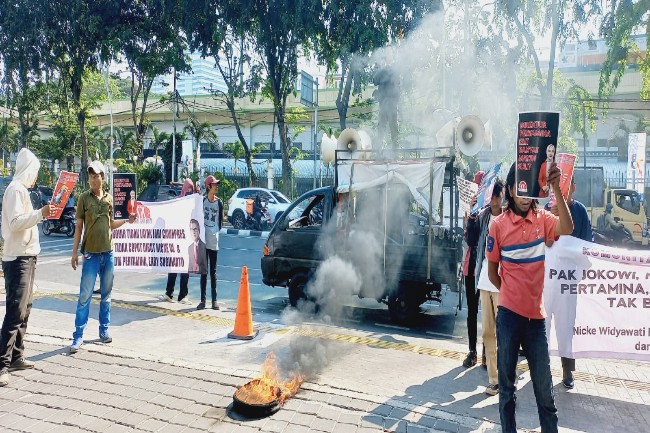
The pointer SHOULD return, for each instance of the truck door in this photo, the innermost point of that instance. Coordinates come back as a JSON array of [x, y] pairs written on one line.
[[296, 235]]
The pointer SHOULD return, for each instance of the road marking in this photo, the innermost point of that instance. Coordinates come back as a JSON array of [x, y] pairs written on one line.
[[347, 338], [440, 334]]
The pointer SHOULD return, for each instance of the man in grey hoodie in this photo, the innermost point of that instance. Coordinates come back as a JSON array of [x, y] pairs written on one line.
[[21, 246]]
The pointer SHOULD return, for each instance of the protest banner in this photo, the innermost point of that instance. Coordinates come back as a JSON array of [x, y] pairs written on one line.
[[566, 163], [124, 195], [597, 300], [466, 190], [168, 239], [62, 192], [484, 194], [536, 147]]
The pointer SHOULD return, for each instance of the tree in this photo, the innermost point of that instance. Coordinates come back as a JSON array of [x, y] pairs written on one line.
[[220, 34], [160, 138], [21, 51], [79, 34], [152, 45], [622, 20], [357, 28], [283, 30], [524, 19]]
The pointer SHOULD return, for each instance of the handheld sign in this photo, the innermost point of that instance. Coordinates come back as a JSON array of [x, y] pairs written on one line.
[[466, 190], [536, 148], [62, 192], [565, 162], [124, 195], [485, 187]]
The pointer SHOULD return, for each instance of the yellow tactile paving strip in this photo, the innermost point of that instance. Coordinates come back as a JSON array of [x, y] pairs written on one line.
[[346, 338]]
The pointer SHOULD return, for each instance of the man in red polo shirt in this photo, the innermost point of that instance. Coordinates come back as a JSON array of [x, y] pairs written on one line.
[[516, 243]]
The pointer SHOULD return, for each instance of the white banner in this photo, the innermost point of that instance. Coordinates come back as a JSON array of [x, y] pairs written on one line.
[[163, 238], [636, 161], [597, 300], [466, 190]]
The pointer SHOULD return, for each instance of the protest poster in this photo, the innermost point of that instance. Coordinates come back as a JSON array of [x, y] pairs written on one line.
[[62, 192], [169, 238], [484, 194], [466, 190], [124, 195], [597, 300], [566, 163], [536, 146], [636, 162]]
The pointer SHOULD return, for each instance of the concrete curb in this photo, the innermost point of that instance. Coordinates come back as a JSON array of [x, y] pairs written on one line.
[[244, 233]]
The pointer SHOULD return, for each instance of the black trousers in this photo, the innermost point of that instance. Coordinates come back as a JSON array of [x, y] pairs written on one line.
[[212, 269], [19, 284], [473, 297], [171, 282]]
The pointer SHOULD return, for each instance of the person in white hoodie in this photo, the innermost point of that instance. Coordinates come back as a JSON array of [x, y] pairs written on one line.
[[21, 246]]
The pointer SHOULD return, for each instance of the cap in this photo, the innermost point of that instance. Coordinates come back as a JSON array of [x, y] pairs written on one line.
[[97, 167], [210, 180], [478, 177]]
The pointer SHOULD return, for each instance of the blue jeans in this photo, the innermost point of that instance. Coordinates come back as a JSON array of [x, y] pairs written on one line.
[[94, 264], [514, 330]]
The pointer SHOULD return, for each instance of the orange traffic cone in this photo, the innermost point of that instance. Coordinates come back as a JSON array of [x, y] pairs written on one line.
[[244, 317]]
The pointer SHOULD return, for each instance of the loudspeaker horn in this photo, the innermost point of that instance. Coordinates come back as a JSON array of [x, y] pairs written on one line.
[[349, 140], [470, 135], [445, 136], [327, 148]]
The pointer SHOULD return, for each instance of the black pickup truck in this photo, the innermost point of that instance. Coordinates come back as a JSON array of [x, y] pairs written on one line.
[[382, 218]]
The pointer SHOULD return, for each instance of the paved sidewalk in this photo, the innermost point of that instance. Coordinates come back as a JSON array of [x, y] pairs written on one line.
[[172, 369]]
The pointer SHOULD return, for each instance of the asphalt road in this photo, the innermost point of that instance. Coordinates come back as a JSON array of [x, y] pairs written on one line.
[[438, 321]]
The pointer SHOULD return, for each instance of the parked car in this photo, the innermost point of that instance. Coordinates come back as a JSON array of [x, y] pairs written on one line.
[[160, 192], [276, 204]]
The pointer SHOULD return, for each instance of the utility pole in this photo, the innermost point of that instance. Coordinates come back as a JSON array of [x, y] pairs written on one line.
[[315, 129], [110, 105], [175, 108]]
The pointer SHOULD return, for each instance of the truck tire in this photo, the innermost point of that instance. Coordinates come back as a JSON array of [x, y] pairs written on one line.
[[238, 219], [297, 286], [404, 304]]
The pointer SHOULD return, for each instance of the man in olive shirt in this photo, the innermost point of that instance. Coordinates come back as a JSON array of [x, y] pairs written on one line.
[[95, 220]]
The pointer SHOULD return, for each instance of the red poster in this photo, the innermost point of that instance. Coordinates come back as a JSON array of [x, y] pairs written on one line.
[[62, 192], [565, 162]]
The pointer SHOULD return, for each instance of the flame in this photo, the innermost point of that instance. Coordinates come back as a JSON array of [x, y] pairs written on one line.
[[270, 385]]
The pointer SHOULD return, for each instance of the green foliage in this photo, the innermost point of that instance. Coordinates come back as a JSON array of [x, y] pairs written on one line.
[[150, 174]]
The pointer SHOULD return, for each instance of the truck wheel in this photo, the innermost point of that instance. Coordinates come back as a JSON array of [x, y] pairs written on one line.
[[298, 298], [403, 306], [297, 289], [238, 219]]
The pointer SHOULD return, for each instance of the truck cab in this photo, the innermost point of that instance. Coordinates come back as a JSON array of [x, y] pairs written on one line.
[[381, 219]]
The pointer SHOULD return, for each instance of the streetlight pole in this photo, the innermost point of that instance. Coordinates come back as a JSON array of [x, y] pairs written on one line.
[[174, 136], [110, 105], [315, 130]]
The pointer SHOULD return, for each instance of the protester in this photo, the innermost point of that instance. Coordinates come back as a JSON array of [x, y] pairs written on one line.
[[212, 220], [515, 252], [581, 230], [188, 188], [21, 246], [95, 221], [488, 293], [471, 294]]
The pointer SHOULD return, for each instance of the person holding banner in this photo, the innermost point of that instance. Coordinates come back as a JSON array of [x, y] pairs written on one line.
[[581, 230], [471, 294], [212, 220], [515, 253], [20, 249], [489, 294], [95, 221], [187, 189]]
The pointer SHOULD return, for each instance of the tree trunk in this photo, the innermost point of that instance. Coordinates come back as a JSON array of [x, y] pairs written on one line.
[[343, 97], [286, 163], [230, 103]]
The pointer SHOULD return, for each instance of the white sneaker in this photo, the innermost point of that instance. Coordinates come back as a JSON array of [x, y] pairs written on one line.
[[165, 298], [185, 301]]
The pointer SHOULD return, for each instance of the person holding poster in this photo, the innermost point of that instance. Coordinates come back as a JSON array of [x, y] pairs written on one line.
[[212, 220], [21, 246], [515, 253], [581, 230], [95, 221]]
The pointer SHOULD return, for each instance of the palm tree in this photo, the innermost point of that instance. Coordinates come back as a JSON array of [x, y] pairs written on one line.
[[236, 150], [160, 138]]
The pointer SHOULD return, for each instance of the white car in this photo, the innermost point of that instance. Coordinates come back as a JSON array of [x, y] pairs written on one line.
[[276, 203]]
